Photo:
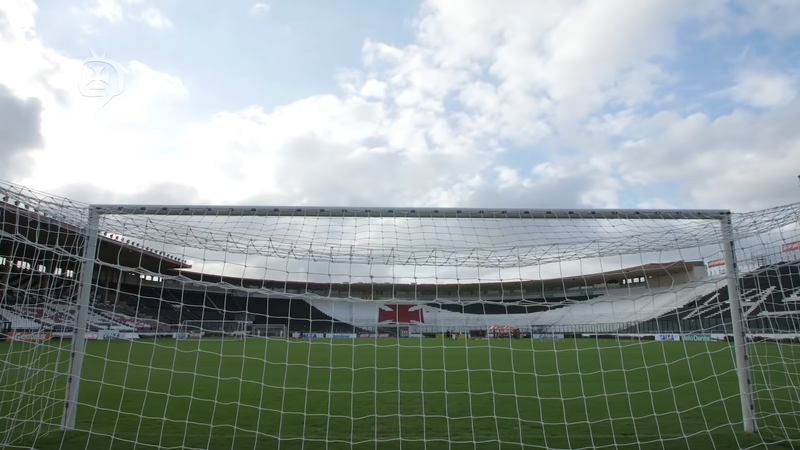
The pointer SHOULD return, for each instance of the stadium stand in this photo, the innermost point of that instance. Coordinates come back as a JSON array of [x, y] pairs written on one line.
[[125, 300], [769, 296]]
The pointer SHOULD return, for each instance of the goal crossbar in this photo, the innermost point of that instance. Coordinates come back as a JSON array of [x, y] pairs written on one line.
[[405, 212]]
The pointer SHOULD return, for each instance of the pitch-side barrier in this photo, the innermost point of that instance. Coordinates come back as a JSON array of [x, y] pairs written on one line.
[[40, 336]]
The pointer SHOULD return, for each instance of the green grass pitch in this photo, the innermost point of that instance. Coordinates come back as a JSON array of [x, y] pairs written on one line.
[[399, 394]]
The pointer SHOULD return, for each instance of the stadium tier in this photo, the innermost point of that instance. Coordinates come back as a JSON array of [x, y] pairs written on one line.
[[260, 327], [769, 295]]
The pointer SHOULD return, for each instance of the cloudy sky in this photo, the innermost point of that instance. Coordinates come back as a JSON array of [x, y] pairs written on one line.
[[491, 103], [477, 103]]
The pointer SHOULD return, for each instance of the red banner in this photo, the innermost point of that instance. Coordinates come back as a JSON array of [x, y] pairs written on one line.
[[716, 262], [791, 246], [25, 336], [401, 314]]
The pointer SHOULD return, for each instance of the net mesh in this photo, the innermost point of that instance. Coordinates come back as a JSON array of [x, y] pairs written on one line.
[[421, 328]]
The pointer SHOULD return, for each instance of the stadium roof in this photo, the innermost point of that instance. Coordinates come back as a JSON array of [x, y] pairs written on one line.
[[647, 270], [44, 234], [46, 238]]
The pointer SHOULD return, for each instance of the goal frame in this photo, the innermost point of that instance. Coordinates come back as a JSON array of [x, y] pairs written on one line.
[[92, 230], [266, 326]]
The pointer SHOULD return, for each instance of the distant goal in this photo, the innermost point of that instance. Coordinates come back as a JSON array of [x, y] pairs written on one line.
[[268, 331], [212, 329]]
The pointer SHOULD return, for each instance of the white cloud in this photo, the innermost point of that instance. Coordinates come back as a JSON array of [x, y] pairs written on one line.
[[764, 89], [565, 52], [80, 136], [259, 9], [17, 21], [111, 10], [509, 178], [779, 17], [741, 160], [154, 18], [117, 11], [374, 89]]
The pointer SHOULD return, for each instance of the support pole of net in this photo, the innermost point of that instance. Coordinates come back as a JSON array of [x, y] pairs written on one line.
[[739, 336], [79, 333]]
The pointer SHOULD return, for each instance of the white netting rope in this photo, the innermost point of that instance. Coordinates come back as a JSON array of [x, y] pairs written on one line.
[[369, 304]]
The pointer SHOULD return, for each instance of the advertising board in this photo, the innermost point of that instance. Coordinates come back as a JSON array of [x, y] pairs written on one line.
[[548, 336], [105, 335], [28, 336], [668, 337], [374, 335], [312, 335], [697, 337], [341, 336], [791, 246]]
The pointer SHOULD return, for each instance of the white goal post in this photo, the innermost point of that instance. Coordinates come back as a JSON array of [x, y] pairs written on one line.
[[322, 326]]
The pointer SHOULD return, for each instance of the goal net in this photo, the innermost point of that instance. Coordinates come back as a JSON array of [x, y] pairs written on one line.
[[636, 329]]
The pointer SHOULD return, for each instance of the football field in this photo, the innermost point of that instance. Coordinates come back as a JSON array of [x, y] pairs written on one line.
[[399, 393]]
